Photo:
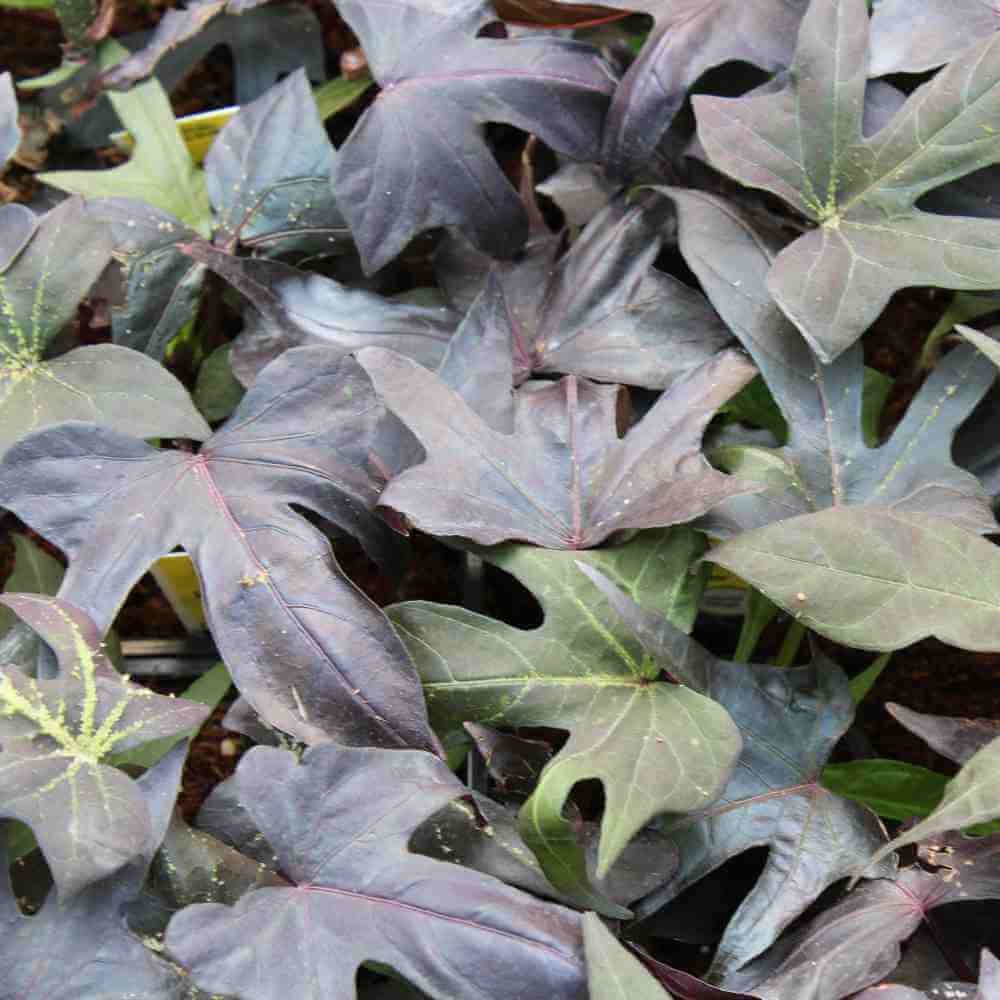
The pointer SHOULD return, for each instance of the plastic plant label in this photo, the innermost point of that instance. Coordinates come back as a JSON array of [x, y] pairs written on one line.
[[179, 582], [198, 131]]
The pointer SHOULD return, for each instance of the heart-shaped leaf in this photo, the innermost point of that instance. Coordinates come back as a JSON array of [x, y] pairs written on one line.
[[805, 144], [268, 576], [827, 461], [434, 69], [88, 818], [563, 479], [774, 797], [339, 821], [656, 746]]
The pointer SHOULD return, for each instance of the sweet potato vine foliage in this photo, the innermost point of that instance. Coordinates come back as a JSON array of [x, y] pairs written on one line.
[[594, 298]]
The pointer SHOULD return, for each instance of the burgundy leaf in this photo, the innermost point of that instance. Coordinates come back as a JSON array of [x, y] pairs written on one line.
[[563, 479], [954, 738]]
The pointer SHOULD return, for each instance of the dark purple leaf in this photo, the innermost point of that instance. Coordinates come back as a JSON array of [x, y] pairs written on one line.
[[956, 739], [602, 311], [911, 36], [310, 652], [268, 172], [826, 462], [340, 821], [265, 44], [581, 191], [513, 762], [690, 37], [684, 986], [857, 942], [563, 479], [774, 798], [17, 225], [81, 948], [417, 158], [88, 817], [293, 308], [806, 144]]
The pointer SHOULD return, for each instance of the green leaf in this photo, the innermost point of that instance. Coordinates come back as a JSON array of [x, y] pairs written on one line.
[[865, 681], [875, 578], [207, 690], [612, 972], [805, 143], [339, 93], [656, 746], [890, 788], [35, 572], [160, 172], [971, 797], [987, 344], [217, 392]]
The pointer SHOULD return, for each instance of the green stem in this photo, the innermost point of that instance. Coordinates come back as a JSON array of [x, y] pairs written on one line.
[[963, 307], [759, 612], [790, 646]]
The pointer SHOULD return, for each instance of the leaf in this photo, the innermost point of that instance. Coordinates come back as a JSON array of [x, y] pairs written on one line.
[[268, 171], [81, 947], [956, 739], [690, 37], [88, 818], [35, 572], [17, 226], [874, 578], [805, 144], [551, 14], [582, 671], [602, 311], [160, 172], [340, 821], [581, 191], [268, 577], [891, 788], [395, 178], [971, 797], [774, 797], [218, 392], [563, 479], [985, 343], [862, 683], [10, 131], [266, 44], [613, 973], [293, 308], [827, 461], [912, 36]]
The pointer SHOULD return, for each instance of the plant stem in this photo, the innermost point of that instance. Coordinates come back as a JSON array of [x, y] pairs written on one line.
[[790, 646]]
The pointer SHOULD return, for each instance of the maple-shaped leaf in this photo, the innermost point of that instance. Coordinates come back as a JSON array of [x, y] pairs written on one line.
[[417, 157], [655, 745], [266, 44], [912, 36], [563, 479], [340, 821], [857, 941], [80, 947], [774, 798], [88, 817], [292, 308], [826, 461], [267, 177], [602, 311], [39, 295], [805, 144], [689, 37], [310, 652]]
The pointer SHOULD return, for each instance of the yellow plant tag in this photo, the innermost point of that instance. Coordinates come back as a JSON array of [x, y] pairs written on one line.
[[198, 131], [179, 582]]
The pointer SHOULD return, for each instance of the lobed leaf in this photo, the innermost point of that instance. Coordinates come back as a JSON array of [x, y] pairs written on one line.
[[805, 143], [313, 655], [434, 69], [340, 820]]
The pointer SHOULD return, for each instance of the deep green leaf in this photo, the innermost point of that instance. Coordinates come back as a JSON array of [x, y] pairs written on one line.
[[217, 392], [891, 788]]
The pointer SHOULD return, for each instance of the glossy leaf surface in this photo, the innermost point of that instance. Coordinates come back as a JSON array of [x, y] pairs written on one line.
[[563, 479], [340, 821], [433, 69], [313, 655]]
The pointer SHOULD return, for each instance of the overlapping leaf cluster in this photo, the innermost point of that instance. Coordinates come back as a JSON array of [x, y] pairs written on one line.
[[669, 354]]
